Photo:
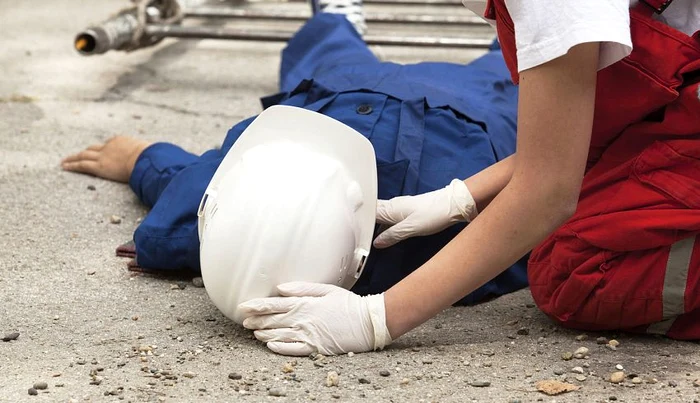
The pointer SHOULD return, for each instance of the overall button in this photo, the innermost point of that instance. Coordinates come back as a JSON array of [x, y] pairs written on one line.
[[364, 109]]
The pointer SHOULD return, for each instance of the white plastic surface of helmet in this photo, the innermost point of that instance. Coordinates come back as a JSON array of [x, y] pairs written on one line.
[[293, 200]]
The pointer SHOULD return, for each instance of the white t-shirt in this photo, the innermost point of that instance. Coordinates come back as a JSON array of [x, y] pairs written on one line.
[[545, 30]]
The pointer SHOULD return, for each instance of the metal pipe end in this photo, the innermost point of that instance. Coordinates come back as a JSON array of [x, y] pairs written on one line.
[[86, 43]]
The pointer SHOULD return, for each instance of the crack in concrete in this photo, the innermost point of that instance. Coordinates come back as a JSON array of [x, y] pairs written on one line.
[[180, 110]]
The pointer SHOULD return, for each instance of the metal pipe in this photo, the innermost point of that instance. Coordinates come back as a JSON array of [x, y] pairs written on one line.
[[200, 32], [411, 2], [221, 12], [114, 33]]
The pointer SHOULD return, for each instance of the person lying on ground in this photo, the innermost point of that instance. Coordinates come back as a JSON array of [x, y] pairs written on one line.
[[428, 123]]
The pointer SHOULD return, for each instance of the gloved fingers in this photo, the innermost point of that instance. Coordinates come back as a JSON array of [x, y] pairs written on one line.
[[395, 234], [295, 349], [283, 334], [305, 289], [266, 306], [393, 211], [272, 321]]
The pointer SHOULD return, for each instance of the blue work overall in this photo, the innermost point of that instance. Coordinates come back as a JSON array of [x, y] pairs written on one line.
[[428, 122]]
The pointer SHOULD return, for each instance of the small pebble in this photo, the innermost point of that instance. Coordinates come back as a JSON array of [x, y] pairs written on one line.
[[288, 368], [582, 337], [580, 378], [636, 380], [32, 392], [567, 356], [335, 395], [619, 367], [11, 336], [581, 352], [332, 379], [351, 354], [613, 343], [384, 372], [577, 370], [612, 398], [189, 375], [91, 187], [601, 340], [523, 331], [235, 376], [198, 282], [480, 384], [697, 383], [91, 272], [115, 219], [364, 381], [617, 377], [41, 386], [672, 384], [404, 381], [277, 392], [559, 371]]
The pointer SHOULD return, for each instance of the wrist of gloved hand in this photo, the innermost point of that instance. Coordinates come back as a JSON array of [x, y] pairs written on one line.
[[377, 314], [463, 206]]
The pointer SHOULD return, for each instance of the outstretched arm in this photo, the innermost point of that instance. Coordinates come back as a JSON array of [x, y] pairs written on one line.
[[554, 129]]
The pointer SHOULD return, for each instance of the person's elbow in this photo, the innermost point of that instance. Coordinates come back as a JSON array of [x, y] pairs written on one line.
[[551, 202], [560, 201]]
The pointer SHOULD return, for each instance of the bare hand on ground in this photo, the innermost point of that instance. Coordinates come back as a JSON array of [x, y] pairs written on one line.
[[113, 160]]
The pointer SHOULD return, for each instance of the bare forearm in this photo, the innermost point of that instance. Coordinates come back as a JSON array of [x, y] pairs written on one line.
[[515, 222], [485, 185]]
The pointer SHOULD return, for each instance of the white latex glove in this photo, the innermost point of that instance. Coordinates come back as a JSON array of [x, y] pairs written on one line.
[[424, 214], [312, 317]]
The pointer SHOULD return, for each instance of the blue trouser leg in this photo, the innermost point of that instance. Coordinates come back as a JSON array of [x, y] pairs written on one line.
[[324, 42]]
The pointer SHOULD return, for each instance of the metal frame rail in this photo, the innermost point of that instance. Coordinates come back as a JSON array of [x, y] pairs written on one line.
[[125, 32]]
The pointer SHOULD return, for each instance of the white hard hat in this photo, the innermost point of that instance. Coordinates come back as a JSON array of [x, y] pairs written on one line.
[[293, 200]]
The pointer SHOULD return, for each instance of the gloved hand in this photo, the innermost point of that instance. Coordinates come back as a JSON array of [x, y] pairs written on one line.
[[424, 214], [311, 317]]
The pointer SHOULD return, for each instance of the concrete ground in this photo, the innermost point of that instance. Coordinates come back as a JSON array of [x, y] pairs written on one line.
[[95, 332]]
